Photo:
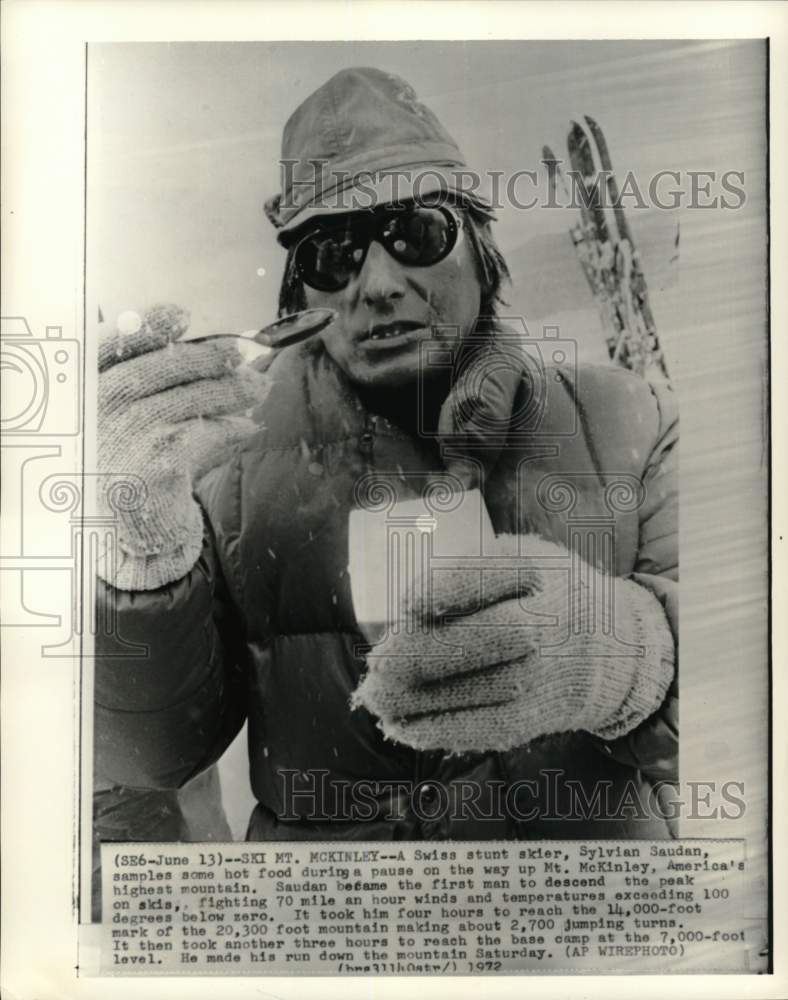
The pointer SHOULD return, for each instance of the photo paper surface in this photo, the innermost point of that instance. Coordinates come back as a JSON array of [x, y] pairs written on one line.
[[375, 631]]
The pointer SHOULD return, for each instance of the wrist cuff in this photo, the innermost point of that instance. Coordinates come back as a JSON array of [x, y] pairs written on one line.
[[136, 573], [654, 669]]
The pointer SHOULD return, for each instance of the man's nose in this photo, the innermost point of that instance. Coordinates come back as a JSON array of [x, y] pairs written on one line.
[[381, 281]]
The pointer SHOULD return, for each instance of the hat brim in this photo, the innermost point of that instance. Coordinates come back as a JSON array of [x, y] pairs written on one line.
[[402, 185]]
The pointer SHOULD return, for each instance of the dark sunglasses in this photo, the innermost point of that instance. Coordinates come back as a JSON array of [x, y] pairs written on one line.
[[417, 235]]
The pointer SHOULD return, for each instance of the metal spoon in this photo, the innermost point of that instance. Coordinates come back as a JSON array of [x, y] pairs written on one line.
[[282, 332]]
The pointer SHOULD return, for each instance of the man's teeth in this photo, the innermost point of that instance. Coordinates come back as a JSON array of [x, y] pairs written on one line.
[[394, 331]]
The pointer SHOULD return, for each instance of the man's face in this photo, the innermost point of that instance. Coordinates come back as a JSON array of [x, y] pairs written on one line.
[[389, 308]]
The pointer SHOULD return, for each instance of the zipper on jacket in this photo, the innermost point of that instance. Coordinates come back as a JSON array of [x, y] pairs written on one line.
[[366, 443]]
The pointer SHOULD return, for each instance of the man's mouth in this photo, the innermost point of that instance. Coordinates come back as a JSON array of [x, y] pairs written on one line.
[[389, 331]]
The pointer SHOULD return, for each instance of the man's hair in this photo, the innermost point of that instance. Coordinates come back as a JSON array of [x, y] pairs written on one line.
[[491, 268]]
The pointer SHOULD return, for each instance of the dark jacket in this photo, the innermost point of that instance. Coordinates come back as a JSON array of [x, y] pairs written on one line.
[[263, 626]]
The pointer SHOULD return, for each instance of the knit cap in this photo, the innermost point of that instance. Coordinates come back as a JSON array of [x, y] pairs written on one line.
[[361, 140]]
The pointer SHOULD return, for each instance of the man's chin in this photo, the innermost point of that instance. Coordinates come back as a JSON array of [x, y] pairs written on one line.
[[384, 377], [384, 373]]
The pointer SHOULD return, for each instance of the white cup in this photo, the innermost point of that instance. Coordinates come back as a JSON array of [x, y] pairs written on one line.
[[393, 550]]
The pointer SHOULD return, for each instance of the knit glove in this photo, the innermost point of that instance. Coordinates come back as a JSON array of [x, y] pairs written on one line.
[[514, 649], [168, 412]]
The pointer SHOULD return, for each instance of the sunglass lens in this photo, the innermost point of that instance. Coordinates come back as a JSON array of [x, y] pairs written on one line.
[[419, 237], [327, 260]]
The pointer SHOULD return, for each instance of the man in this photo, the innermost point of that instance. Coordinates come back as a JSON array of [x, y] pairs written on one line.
[[558, 717]]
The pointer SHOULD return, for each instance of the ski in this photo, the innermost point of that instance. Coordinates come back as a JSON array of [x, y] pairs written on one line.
[[638, 340], [595, 250], [609, 259], [586, 248]]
